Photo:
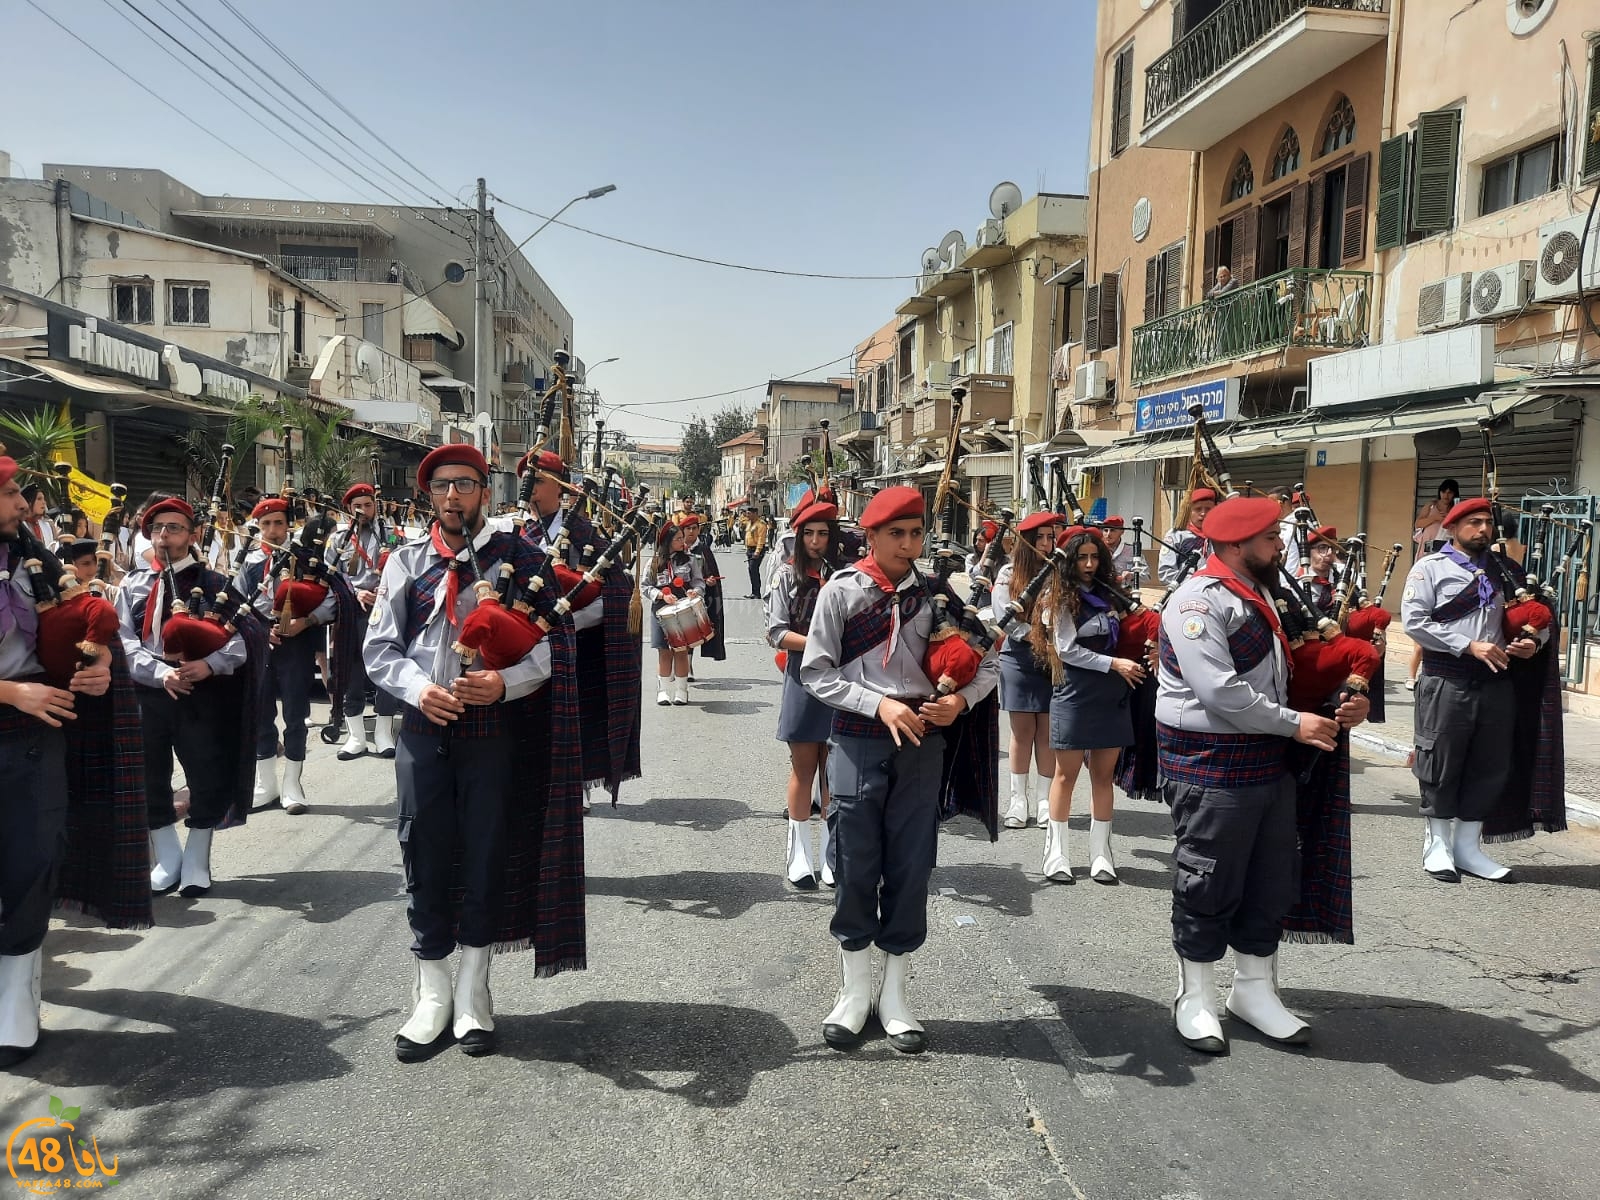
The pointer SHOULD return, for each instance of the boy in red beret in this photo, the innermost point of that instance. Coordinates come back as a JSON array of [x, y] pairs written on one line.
[[357, 551]]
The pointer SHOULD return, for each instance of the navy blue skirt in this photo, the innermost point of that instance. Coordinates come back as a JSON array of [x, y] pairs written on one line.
[[1091, 711], [1024, 685], [801, 716]]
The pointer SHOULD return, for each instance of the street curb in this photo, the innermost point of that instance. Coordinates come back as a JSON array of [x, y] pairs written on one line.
[[1580, 809]]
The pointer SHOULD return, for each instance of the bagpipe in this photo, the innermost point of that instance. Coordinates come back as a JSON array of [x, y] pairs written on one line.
[[1530, 608], [76, 621], [200, 625]]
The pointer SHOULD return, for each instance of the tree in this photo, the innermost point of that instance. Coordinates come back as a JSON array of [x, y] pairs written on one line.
[[730, 422], [700, 460], [38, 440], [202, 448]]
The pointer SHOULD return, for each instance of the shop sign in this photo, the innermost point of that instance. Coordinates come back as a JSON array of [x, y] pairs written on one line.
[[1170, 410]]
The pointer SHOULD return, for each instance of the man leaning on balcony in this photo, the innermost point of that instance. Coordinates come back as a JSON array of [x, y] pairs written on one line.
[[1225, 284]]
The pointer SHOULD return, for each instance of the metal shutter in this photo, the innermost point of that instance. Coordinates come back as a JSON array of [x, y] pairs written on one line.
[[1265, 471], [1535, 461], [146, 457], [997, 492]]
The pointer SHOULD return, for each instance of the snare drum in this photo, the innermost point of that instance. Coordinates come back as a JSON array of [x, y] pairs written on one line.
[[686, 623]]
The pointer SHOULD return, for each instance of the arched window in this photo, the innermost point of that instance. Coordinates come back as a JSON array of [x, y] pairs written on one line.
[[1243, 181], [1341, 128], [1287, 160]]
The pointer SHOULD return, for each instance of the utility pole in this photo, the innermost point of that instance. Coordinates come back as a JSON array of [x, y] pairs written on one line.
[[482, 347]]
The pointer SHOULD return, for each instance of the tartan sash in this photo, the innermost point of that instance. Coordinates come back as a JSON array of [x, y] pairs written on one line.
[[1219, 760], [1249, 645], [871, 626]]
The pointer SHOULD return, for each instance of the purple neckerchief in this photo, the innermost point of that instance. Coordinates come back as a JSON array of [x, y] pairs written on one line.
[[1101, 606], [1486, 586]]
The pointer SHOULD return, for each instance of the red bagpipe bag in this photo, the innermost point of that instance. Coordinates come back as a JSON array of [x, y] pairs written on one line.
[[568, 578], [1365, 623], [1527, 617], [952, 662], [1322, 669], [500, 636], [1135, 632], [79, 628], [187, 637]]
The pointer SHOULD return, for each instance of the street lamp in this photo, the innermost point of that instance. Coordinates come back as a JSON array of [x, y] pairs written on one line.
[[591, 194]]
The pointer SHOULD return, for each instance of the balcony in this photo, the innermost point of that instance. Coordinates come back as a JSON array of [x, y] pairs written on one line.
[[902, 424], [931, 416], [859, 426], [314, 269], [1247, 58], [520, 375], [1313, 310]]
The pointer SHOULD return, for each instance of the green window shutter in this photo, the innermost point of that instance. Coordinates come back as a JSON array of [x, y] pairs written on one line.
[[1590, 129], [1152, 287], [1393, 159], [1433, 184]]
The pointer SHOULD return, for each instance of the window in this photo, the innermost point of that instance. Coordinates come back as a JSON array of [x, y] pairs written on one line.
[[907, 349], [133, 303], [275, 307], [1590, 166], [189, 304], [1340, 130], [1243, 181], [1163, 281], [372, 323], [997, 351], [1287, 159], [1122, 100], [1100, 313], [1521, 176], [1417, 180]]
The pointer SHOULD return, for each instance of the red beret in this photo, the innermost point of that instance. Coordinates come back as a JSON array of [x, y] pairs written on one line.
[[1466, 508], [815, 512], [544, 460], [356, 492], [1327, 532], [1039, 520], [669, 530], [454, 454], [1067, 534], [990, 529], [170, 505], [1240, 519], [8, 470], [687, 518], [1202, 494], [1113, 522], [893, 504], [272, 505]]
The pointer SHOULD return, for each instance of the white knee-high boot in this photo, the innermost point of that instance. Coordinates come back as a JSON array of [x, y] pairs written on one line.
[[797, 865], [1102, 866], [166, 854], [1057, 867], [1017, 810], [430, 1011]]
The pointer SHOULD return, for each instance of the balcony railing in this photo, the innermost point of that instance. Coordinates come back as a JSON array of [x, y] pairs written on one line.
[[315, 269], [856, 422], [1319, 310], [1223, 37]]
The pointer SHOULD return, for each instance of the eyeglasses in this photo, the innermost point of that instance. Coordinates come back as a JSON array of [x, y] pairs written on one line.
[[169, 527], [463, 487]]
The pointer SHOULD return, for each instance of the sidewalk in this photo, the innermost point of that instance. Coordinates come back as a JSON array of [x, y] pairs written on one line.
[[1392, 741]]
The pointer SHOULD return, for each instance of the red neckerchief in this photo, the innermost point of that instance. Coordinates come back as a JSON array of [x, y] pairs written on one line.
[[1195, 529], [452, 580], [1327, 583], [1215, 569], [869, 567], [355, 536]]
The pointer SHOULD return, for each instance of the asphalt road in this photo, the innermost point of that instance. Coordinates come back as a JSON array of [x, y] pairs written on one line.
[[244, 1047]]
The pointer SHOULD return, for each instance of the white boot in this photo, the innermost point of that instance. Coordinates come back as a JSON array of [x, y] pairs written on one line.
[[474, 1026], [894, 1014], [842, 1027], [1102, 866], [825, 867], [430, 1011], [797, 862], [1017, 812], [1254, 1000], [166, 852], [266, 782], [1438, 850], [19, 1005], [1056, 867], [383, 735], [1469, 855], [195, 876], [663, 689], [1043, 793], [294, 797], [680, 690], [1194, 1012], [355, 745]]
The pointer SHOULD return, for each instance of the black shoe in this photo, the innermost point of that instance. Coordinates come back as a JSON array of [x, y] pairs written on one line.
[[386, 753], [840, 1037], [408, 1051], [478, 1042], [1446, 876], [346, 756], [913, 1041], [808, 884], [10, 1056]]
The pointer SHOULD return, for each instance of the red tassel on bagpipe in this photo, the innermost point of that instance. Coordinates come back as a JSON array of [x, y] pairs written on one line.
[[1365, 623], [73, 632], [1324, 669]]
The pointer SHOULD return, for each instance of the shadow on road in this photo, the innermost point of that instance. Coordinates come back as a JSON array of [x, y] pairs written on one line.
[[1429, 1043], [719, 895], [703, 814], [1006, 890], [720, 1048], [1573, 875], [735, 708], [321, 897], [736, 685]]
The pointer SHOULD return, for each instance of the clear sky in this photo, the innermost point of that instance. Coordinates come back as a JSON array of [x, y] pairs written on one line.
[[819, 136]]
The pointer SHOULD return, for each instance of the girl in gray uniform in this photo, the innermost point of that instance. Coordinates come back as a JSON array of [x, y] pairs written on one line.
[[1025, 683], [1091, 711], [674, 575], [804, 722]]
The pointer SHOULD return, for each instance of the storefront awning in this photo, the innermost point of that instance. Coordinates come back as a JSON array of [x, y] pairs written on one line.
[[97, 385]]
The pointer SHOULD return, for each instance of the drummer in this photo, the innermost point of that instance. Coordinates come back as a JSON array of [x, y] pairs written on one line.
[[674, 576]]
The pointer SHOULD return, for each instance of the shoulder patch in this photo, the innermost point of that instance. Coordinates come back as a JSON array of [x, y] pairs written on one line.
[[1410, 593], [1193, 627], [1194, 606]]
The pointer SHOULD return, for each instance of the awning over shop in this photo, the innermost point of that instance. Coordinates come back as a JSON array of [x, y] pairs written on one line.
[[419, 318], [97, 385]]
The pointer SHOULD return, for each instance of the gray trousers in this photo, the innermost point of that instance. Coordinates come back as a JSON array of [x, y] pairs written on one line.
[[1463, 758], [33, 833], [290, 668], [885, 825], [355, 693], [1238, 867]]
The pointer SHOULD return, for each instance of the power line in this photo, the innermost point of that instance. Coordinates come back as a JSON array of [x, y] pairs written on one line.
[[695, 258], [737, 391], [143, 87]]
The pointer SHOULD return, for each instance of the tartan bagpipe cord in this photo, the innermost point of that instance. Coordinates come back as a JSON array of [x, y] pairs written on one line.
[[1325, 910], [1136, 765], [106, 870], [714, 647], [344, 641], [1535, 797]]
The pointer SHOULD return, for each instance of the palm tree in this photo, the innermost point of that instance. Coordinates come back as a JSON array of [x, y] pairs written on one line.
[[330, 461], [202, 449], [38, 440]]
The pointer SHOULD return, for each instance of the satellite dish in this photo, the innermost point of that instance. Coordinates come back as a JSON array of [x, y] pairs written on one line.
[[1004, 200], [932, 260], [953, 248]]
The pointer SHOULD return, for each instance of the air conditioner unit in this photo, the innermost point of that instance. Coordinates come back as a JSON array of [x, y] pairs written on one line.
[[991, 233], [1556, 276], [1445, 302], [761, 460], [1501, 291], [1089, 382], [936, 375]]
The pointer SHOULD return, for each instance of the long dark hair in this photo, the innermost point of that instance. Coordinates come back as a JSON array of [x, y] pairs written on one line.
[[803, 564], [1025, 564], [663, 555], [1061, 593]]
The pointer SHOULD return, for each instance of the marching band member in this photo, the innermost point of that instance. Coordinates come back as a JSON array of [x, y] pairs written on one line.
[[1024, 680], [1126, 567], [1323, 559], [486, 768], [1468, 706], [1091, 710], [291, 664], [1224, 729], [358, 552], [202, 710], [1186, 537], [80, 556], [987, 532], [699, 548], [804, 722], [674, 575], [864, 658]]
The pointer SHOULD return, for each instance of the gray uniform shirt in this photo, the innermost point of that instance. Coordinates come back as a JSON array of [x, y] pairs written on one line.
[[1211, 696], [780, 604], [859, 685], [145, 656], [1167, 563], [362, 576], [545, 534], [1436, 580], [18, 655], [402, 669], [1068, 635]]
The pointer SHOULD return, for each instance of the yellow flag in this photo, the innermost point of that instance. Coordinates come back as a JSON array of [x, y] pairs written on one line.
[[92, 496], [69, 452]]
